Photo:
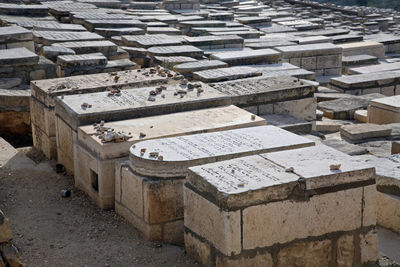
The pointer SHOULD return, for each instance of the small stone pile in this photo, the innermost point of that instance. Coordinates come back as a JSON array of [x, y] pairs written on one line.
[[107, 134]]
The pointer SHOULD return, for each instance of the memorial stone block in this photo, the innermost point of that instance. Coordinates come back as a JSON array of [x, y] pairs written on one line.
[[364, 48], [165, 173], [102, 155], [45, 91], [229, 203], [259, 56], [51, 37], [147, 41], [181, 50], [384, 110], [76, 110], [226, 74]]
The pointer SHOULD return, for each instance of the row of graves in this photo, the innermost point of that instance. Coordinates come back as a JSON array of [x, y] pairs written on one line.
[[254, 133]]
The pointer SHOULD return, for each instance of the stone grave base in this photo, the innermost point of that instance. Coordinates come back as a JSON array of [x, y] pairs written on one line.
[[43, 128], [251, 233], [388, 211], [153, 206], [65, 138]]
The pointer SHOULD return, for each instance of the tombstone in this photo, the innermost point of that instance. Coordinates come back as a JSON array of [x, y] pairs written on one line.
[[216, 42], [384, 67], [384, 110], [181, 50], [92, 24], [52, 52], [16, 37], [228, 205], [109, 32], [51, 37], [95, 158], [226, 74], [107, 48], [344, 108], [189, 68], [146, 41], [279, 95], [24, 10], [77, 110], [384, 83], [388, 186], [51, 26], [163, 30], [352, 64], [363, 132], [323, 59], [260, 56], [390, 41], [45, 91], [157, 171], [364, 48]]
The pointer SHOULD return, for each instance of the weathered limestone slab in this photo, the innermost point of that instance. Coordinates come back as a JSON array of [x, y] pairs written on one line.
[[260, 56], [344, 108], [229, 203], [384, 110], [356, 62], [171, 61], [82, 60], [266, 95], [52, 52], [76, 110], [324, 59], [92, 24], [288, 123], [101, 156], [16, 36], [360, 84], [390, 41], [364, 131], [80, 17], [268, 44], [162, 178], [388, 186], [17, 57], [363, 48], [45, 91], [51, 26], [86, 47], [189, 68], [109, 32], [51, 37], [135, 103], [186, 26], [375, 68], [361, 115], [216, 42], [24, 10], [147, 41], [226, 74], [181, 50], [314, 40]]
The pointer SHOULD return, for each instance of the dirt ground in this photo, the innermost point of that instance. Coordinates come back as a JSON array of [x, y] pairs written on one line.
[[53, 231]]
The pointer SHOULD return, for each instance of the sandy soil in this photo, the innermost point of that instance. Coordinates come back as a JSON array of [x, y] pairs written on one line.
[[53, 231]]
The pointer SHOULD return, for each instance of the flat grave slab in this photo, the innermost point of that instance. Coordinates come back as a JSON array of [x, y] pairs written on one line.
[[226, 74], [363, 48], [384, 110], [18, 57], [51, 26], [189, 68], [50, 37], [108, 32], [359, 84], [85, 47], [260, 56], [181, 50], [364, 131], [227, 204], [84, 60], [344, 108], [102, 155], [211, 42], [14, 34], [92, 24], [135, 103], [147, 41]]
